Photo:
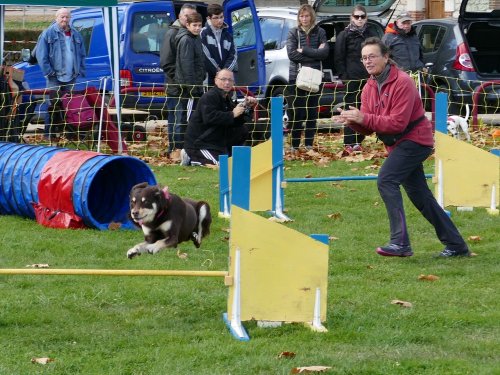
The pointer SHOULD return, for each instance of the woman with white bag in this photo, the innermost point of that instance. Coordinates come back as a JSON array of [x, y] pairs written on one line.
[[306, 47]]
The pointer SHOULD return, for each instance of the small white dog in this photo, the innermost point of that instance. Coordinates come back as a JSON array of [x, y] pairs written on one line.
[[458, 123]]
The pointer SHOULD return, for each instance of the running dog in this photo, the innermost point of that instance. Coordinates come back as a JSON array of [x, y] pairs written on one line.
[[166, 219], [455, 124]]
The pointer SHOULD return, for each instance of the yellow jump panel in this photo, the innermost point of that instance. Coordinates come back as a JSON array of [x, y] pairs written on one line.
[[468, 173], [280, 270], [261, 177]]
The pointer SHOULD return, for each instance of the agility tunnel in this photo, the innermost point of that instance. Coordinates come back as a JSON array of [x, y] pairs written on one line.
[[64, 188]]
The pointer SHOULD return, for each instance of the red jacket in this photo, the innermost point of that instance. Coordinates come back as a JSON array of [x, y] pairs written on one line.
[[390, 110]]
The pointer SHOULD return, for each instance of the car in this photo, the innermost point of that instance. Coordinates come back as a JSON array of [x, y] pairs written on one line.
[[274, 25], [463, 53]]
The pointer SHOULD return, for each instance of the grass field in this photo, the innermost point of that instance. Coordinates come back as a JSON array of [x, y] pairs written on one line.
[[152, 325]]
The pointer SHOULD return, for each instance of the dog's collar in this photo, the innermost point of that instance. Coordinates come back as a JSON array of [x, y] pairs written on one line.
[[167, 196]]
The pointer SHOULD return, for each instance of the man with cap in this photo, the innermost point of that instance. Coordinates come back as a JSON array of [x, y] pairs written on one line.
[[403, 43]]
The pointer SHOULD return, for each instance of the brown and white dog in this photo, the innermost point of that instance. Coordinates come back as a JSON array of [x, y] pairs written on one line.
[[166, 219]]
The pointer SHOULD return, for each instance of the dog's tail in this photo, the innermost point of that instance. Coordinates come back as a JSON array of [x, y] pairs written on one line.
[[467, 113], [203, 223]]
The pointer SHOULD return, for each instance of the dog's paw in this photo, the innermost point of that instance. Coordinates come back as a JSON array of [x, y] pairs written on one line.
[[154, 248], [132, 253]]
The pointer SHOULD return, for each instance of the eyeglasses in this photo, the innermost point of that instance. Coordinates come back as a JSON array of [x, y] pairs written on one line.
[[369, 58], [359, 16], [224, 79]]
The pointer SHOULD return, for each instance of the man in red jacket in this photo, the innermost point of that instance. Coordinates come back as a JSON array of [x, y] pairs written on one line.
[[391, 107]]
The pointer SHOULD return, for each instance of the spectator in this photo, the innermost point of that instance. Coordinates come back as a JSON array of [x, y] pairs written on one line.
[[218, 44], [306, 46], [190, 70], [347, 60], [217, 125], [403, 43], [168, 55], [60, 52], [391, 107]]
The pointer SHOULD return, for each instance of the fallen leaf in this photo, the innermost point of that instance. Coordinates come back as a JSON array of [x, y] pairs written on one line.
[[428, 277], [322, 162], [37, 265], [376, 203], [401, 303], [473, 254], [369, 267], [42, 361], [474, 238], [309, 369], [308, 176], [182, 255], [286, 355], [182, 178], [335, 216], [312, 153], [114, 226], [320, 195], [227, 230], [332, 238], [278, 220], [211, 166]]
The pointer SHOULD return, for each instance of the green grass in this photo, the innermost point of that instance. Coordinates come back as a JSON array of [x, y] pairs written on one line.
[[152, 325]]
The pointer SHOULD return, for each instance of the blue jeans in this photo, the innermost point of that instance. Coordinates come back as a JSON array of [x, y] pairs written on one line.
[[404, 167], [58, 89]]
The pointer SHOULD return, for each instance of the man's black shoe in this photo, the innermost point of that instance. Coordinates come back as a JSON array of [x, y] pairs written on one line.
[[448, 253], [393, 250]]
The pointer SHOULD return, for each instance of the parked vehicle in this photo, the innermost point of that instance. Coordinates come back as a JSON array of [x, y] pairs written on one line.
[[464, 53], [142, 26], [274, 25]]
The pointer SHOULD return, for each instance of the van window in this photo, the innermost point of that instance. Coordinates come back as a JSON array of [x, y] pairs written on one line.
[[244, 33], [148, 30], [85, 26]]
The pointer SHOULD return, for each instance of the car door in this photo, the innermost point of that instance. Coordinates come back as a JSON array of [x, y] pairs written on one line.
[[251, 66], [431, 36]]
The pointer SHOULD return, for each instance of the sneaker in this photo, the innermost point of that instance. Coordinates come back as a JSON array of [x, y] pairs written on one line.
[[175, 155], [393, 250], [448, 253], [348, 150], [185, 159], [357, 148]]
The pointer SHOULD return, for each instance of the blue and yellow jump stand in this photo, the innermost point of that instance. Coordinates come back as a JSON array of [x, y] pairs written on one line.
[[262, 189], [465, 175], [276, 274]]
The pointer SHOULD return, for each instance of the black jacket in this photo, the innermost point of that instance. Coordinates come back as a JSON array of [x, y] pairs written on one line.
[[207, 127], [189, 64], [168, 56], [347, 57], [311, 54]]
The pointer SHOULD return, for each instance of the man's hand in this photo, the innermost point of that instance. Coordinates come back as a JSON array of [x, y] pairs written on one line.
[[238, 110]]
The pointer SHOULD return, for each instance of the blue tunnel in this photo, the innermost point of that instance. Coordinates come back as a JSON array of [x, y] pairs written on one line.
[[44, 183]]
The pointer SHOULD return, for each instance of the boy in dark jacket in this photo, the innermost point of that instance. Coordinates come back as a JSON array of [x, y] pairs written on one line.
[[189, 73]]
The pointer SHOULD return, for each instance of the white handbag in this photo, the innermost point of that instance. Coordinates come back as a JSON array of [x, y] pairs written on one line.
[[309, 79]]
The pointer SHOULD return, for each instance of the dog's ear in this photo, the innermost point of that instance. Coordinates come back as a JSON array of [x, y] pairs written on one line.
[[140, 186]]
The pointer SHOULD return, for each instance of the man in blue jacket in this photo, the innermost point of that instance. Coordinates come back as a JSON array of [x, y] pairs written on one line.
[[60, 52], [218, 44]]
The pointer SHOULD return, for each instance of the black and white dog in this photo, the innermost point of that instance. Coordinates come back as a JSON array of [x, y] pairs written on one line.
[[166, 219]]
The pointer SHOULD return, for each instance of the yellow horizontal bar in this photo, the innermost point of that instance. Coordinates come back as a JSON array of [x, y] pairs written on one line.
[[97, 272]]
